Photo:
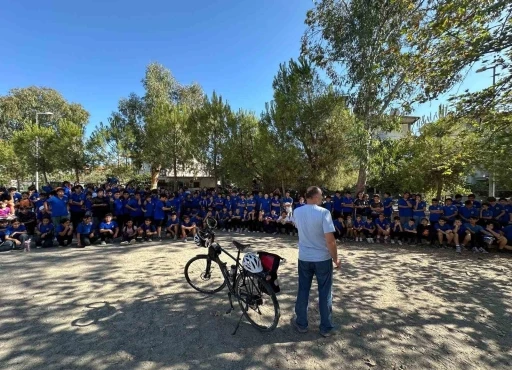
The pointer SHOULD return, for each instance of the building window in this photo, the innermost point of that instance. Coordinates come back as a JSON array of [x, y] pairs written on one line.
[[197, 184]]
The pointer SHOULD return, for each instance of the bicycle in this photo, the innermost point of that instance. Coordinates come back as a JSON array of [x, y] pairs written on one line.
[[255, 295]]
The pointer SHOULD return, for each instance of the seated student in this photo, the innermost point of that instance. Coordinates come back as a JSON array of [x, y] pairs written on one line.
[[85, 235], [506, 232], [467, 211], [369, 229], [45, 233], [444, 232], [409, 231], [459, 235], [450, 211], [272, 222], [339, 227], [245, 220], [504, 218], [495, 238], [476, 203], [197, 219], [396, 231], [64, 232], [485, 214], [236, 221], [146, 231], [474, 235], [17, 233], [188, 228], [424, 232], [383, 228], [29, 219], [173, 226], [5, 212], [260, 221], [281, 222], [358, 228], [108, 229], [129, 232], [349, 227], [5, 245], [222, 218]]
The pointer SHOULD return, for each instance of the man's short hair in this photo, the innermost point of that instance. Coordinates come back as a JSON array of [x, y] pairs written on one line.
[[312, 191]]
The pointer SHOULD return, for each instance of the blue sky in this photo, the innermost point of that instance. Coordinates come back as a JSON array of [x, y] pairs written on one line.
[[95, 52]]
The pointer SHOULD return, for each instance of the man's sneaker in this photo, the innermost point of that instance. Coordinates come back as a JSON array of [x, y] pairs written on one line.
[[458, 249], [462, 246], [392, 241], [159, 239], [124, 243], [482, 250], [150, 240], [297, 327], [327, 334], [103, 243], [399, 242], [275, 233], [475, 250], [175, 237], [185, 240], [133, 241]]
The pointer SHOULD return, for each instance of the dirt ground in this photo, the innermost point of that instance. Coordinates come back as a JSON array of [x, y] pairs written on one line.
[[130, 307]]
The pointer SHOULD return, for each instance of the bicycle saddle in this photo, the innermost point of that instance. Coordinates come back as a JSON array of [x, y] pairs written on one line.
[[240, 246]]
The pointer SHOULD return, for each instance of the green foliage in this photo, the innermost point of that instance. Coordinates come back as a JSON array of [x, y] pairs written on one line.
[[11, 166]]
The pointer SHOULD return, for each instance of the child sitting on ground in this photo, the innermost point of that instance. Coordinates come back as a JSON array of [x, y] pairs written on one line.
[[129, 233], [85, 235], [147, 230], [409, 231], [423, 232], [44, 233], [369, 229], [17, 233], [108, 229], [64, 232]]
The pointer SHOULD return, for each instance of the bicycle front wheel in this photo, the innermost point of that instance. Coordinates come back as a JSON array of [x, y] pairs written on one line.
[[257, 301], [204, 275]]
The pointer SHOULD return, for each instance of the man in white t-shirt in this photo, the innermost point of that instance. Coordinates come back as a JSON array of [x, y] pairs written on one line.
[[317, 252]]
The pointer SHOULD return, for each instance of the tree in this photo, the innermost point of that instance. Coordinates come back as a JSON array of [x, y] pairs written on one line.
[[209, 130], [310, 124], [19, 107], [11, 165], [363, 47]]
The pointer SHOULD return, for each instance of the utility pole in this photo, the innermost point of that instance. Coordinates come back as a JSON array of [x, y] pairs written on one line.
[[37, 148]]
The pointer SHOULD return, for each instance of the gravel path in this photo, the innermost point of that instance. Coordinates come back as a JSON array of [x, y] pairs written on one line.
[[129, 307]]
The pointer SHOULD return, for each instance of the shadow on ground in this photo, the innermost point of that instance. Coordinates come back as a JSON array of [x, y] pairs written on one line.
[[130, 308]]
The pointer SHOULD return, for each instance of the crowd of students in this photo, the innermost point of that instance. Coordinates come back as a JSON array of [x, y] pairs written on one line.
[[132, 214]]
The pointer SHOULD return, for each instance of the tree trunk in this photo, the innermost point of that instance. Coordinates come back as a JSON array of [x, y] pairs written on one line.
[[175, 170], [45, 175], [155, 172], [18, 183], [361, 178], [439, 188], [77, 175]]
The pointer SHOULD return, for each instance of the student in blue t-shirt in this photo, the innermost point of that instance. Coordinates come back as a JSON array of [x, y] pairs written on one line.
[[276, 205], [506, 234], [85, 235], [328, 204], [410, 231], [148, 207], [458, 201], [58, 206], [337, 206], [358, 228], [383, 228], [467, 211], [287, 199], [405, 209], [476, 203], [173, 226], [146, 231], [188, 228], [108, 229], [419, 209], [475, 234], [159, 219], [444, 232], [64, 232], [5, 245], [504, 217], [436, 212], [17, 233], [44, 233], [387, 202], [339, 227], [450, 211], [134, 207], [76, 205], [369, 229]]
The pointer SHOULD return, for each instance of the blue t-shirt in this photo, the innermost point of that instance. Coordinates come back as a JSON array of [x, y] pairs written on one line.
[[368, 226], [485, 213], [347, 200], [84, 229], [477, 204], [396, 227], [450, 211], [476, 229], [420, 211], [219, 203], [265, 204], [276, 205], [358, 224], [134, 203], [159, 213], [337, 224], [388, 206], [328, 205], [287, 200], [313, 222], [404, 212], [118, 207], [76, 198], [507, 231], [44, 229], [11, 230], [383, 224], [408, 226], [150, 227], [34, 196], [251, 204], [444, 227], [58, 205], [60, 228], [467, 212], [149, 206], [112, 225], [172, 222], [434, 217]]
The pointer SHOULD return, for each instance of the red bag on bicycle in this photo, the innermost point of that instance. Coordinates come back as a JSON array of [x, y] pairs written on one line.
[[270, 263]]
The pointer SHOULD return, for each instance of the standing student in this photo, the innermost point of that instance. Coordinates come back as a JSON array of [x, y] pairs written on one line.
[[148, 206], [476, 203], [118, 209], [64, 232], [108, 229], [458, 201], [76, 205], [265, 204], [134, 206], [100, 207], [419, 209], [317, 252], [159, 218], [388, 206], [377, 208], [450, 211], [58, 206], [347, 203], [435, 212], [405, 208], [337, 204], [360, 206], [328, 204], [276, 204]]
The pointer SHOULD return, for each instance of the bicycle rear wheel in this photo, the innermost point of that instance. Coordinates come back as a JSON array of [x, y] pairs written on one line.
[[204, 275], [257, 301]]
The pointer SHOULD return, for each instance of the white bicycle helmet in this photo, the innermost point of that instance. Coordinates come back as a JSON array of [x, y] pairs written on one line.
[[252, 263]]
